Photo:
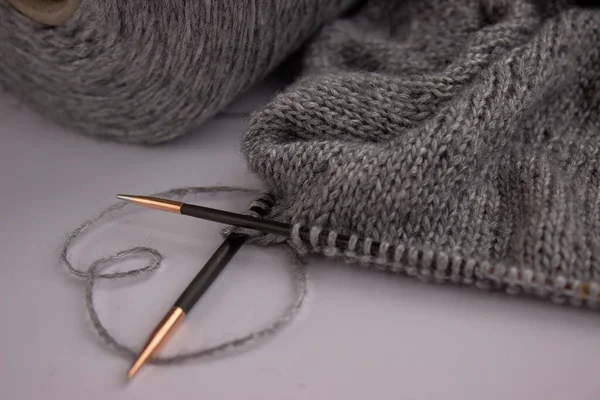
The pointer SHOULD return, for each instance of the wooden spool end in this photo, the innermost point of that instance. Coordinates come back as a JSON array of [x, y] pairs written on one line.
[[46, 12]]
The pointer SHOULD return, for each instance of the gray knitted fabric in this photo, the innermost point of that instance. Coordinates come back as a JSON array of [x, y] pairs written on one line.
[[463, 134]]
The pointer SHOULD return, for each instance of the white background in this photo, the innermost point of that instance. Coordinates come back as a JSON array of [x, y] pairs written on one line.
[[361, 335]]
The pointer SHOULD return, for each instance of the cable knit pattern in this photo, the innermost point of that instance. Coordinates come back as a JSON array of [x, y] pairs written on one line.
[[463, 134]]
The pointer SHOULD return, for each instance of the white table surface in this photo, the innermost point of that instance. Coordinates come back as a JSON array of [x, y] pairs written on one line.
[[361, 335]]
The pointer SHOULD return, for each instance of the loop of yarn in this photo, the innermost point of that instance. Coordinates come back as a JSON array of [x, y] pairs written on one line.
[[96, 271], [150, 71]]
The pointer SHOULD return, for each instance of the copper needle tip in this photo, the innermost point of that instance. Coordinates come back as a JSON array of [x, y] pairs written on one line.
[[125, 197], [157, 338], [153, 202]]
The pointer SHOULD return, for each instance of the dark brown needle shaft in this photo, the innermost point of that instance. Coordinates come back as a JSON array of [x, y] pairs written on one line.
[[229, 218], [192, 293]]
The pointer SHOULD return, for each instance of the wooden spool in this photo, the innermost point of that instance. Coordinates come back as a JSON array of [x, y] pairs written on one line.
[[46, 12]]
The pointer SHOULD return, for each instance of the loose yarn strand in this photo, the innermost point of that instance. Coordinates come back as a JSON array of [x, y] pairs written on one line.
[[94, 272]]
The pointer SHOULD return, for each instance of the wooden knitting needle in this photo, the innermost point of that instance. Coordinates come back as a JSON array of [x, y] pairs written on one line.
[[190, 296], [230, 218]]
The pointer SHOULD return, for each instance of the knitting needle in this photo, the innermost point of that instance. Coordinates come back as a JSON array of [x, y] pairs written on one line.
[[229, 218], [273, 227], [190, 296]]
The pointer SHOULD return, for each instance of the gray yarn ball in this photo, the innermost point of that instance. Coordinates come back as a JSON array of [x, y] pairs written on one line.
[[147, 72]]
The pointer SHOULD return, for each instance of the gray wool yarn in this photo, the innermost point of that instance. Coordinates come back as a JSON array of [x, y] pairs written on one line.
[[97, 270], [150, 71], [464, 135]]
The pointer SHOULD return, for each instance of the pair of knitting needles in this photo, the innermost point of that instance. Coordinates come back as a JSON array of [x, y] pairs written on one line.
[[213, 266], [222, 256]]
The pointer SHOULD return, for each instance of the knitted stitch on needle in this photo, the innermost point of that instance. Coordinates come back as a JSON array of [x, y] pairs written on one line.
[[463, 134]]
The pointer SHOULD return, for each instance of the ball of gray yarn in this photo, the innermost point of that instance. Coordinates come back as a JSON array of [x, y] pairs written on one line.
[[147, 72]]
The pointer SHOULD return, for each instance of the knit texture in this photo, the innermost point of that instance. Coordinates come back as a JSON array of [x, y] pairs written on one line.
[[463, 134], [148, 72]]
